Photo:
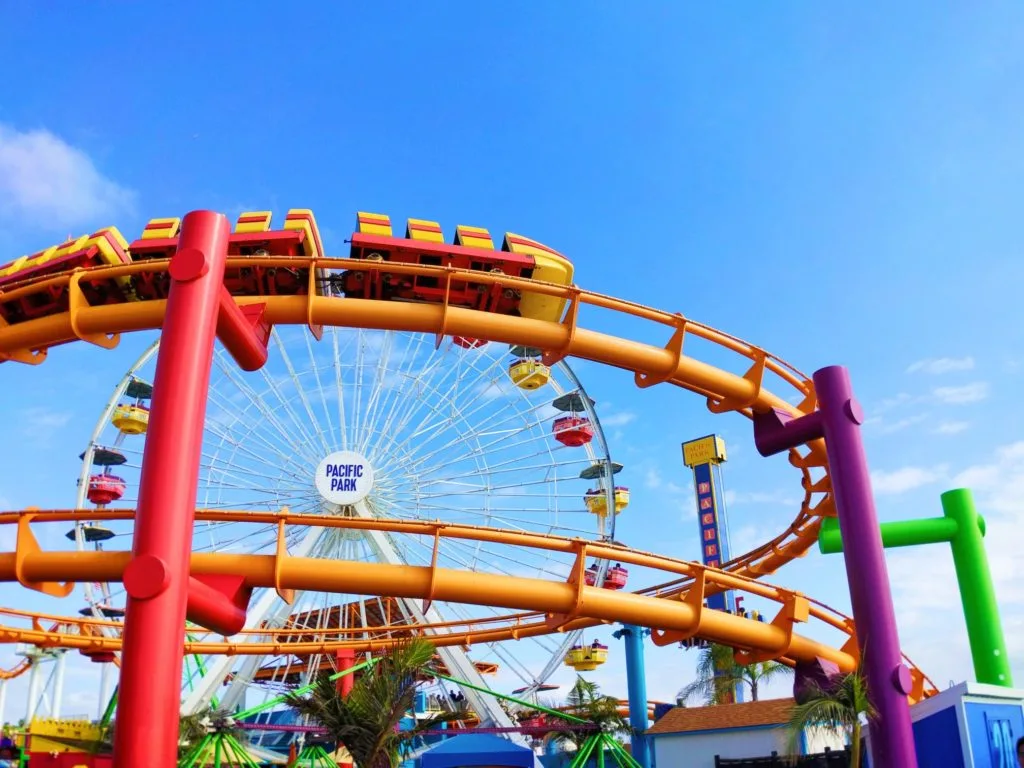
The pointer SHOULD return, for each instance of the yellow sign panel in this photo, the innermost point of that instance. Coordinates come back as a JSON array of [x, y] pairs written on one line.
[[706, 450]]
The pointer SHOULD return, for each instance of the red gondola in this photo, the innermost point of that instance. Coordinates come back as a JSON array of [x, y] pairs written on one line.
[[614, 578], [573, 431], [104, 489], [467, 342]]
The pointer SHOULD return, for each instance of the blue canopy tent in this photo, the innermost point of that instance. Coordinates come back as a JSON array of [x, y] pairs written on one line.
[[478, 749]]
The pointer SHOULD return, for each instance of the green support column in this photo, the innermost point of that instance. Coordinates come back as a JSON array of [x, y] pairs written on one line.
[[964, 529], [985, 631]]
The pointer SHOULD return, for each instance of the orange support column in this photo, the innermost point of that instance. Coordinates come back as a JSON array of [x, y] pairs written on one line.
[[157, 577]]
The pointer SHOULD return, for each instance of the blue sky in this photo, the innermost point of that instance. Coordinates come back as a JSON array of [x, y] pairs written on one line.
[[837, 184]]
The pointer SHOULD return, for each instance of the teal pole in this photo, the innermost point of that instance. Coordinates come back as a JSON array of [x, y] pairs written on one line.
[[964, 529]]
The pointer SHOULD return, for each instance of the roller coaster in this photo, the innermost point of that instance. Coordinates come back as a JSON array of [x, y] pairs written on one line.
[[196, 279]]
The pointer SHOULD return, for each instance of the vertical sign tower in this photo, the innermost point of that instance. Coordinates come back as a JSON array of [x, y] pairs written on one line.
[[704, 457]]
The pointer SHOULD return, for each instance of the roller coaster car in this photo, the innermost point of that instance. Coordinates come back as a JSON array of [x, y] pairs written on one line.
[[252, 237], [472, 249], [104, 248]]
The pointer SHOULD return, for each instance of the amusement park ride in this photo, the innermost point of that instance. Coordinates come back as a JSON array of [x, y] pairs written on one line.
[[460, 516]]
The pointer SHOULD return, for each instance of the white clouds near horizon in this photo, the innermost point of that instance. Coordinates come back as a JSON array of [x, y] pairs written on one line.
[[46, 182], [968, 393], [940, 365]]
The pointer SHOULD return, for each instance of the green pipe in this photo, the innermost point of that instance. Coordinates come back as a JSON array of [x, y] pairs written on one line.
[[977, 593], [109, 711], [299, 691], [488, 691], [585, 751], [907, 533], [964, 529], [621, 755], [600, 754], [241, 753], [190, 759]]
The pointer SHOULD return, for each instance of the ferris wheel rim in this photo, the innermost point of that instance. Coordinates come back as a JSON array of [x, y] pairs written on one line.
[[597, 453]]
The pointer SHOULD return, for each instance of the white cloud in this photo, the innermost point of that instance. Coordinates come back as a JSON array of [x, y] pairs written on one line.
[[652, 478], [894, 402], [904, 479], [620, 419], [885, 427], [781, 498], [44, 418], [968, 393], [941, 365], [46, 181], [951, 427]]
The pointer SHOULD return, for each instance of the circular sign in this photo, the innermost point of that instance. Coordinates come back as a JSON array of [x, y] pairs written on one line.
[[344, 477]]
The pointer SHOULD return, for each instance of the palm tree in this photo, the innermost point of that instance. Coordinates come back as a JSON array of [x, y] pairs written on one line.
[[718, 674], [366, 722], [838, 706], [586, 701]]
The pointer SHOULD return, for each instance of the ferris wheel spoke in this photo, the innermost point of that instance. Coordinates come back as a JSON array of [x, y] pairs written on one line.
[[305, 435], [379, 381], [412, 376], [283, 351], [253, 439], [249, 399], [414, 404], [319, 384], [482, 448], [512, 465], [339, 390], [418, 430], [268, 416]]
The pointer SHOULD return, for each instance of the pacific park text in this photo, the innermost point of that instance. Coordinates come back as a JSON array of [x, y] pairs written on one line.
[[343, 476]]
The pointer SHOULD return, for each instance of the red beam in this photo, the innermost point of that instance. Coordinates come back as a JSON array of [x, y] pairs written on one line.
[[157, 577], [218, 602], [242, 331]]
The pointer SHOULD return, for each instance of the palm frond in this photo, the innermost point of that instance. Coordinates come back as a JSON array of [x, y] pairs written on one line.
[[718, 674]]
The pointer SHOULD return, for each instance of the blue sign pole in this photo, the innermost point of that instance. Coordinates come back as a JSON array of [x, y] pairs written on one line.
[[702, 456], [636, 683]]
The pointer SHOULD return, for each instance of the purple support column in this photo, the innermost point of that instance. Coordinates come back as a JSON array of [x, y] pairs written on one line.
[[838, 420]]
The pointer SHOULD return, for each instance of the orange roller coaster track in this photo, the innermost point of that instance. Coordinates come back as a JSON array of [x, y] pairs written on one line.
[[28, 340], [675, 613]]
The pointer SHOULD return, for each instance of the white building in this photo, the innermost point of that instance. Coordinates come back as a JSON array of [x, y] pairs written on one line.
[[691, 737]]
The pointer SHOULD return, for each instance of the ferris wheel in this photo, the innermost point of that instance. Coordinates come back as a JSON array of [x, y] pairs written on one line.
[[462, 432]]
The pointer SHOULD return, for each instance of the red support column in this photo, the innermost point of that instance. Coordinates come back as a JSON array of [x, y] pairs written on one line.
[[157, 577], [345, 659]]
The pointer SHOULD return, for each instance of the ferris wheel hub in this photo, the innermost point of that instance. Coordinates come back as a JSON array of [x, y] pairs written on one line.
[[344, 478]]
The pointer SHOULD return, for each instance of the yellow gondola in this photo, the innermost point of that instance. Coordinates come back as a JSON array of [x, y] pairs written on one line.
[[529, 374], [596, 500], [586, 658], [131, 419]]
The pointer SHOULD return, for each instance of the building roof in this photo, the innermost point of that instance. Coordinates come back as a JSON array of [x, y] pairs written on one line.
[[722, 716]]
